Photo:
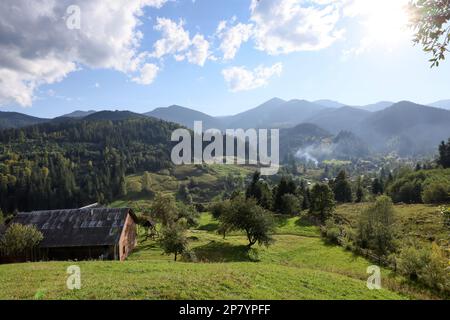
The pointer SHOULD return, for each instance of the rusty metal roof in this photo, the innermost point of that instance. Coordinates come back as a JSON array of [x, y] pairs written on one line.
[[77, 227]]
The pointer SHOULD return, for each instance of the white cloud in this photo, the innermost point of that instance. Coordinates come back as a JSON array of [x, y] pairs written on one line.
[[199, 52], [176, 41], [148, 74], [286, 26], [242, 79], [36, 47], [232, 37], [174, 38]]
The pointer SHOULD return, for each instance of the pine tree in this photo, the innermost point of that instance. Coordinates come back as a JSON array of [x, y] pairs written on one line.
[[377, 187], [444, 154], [322, 202], [342, 188]]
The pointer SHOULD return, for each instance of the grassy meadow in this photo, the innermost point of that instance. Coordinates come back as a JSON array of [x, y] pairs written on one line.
[[300, 265]]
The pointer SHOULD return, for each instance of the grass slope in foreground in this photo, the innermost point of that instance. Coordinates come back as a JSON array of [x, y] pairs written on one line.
[[298, 266]]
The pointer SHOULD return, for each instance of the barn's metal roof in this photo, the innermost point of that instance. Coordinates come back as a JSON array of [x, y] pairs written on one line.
[[77, 227]]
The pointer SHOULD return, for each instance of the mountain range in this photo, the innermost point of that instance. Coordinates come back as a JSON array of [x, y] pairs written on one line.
[[404, 127]]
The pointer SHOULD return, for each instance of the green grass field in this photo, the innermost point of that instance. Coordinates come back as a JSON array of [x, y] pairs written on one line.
[[423, 222], [298, 266], [207, 179]]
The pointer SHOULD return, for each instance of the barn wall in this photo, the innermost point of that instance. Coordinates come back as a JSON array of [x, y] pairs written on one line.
[[128, 238], [62, 254]]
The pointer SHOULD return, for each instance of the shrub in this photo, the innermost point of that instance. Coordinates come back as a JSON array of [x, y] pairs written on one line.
[[18, 239], [376, 227], [428, 266], [436, 192], [331, 231], [290, 204], [411, 262], [189, 256], [410, 187], [134, 187], [189, 213]]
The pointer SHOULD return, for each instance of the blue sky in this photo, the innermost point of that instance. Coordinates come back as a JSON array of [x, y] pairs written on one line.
[[348, 56]]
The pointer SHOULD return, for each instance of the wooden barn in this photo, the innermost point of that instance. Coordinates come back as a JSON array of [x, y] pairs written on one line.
[[83, 234]]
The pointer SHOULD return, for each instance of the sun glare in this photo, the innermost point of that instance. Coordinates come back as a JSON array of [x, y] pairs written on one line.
[[387, 21]]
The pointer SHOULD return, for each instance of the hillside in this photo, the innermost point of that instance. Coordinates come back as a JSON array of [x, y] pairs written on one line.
[[310, 142], [301, 136], [275, 113], [78, 114], [345, 118], [78, 162], [375, 107], [256, 117], [18, 120], [185, 117], [396, 128], [113, 116], [298, 266]]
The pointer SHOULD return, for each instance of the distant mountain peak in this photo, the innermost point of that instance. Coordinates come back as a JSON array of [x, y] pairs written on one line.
[[78, 114], [113, 115], [185, 116]]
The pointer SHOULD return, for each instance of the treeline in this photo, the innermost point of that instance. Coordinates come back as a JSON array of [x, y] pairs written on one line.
[[424, 184], [72, 163]]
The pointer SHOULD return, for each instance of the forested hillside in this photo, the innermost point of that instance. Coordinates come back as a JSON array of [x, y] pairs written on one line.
[[76, 162]]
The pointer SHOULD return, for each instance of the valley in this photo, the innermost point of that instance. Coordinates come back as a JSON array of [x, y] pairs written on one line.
[[120, 159]]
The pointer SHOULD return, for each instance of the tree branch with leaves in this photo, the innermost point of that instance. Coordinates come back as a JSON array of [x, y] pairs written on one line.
[[430, 22]]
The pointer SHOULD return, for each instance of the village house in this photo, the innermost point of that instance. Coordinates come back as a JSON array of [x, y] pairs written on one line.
[[82, 234]]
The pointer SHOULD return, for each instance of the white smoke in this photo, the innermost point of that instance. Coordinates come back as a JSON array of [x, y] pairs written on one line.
[[313, 153]]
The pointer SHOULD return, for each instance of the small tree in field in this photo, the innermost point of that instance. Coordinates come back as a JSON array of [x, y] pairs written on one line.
[[18, 239], [246, 215], [164, 208], [322, 202], [173, 239], [376, 227]]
